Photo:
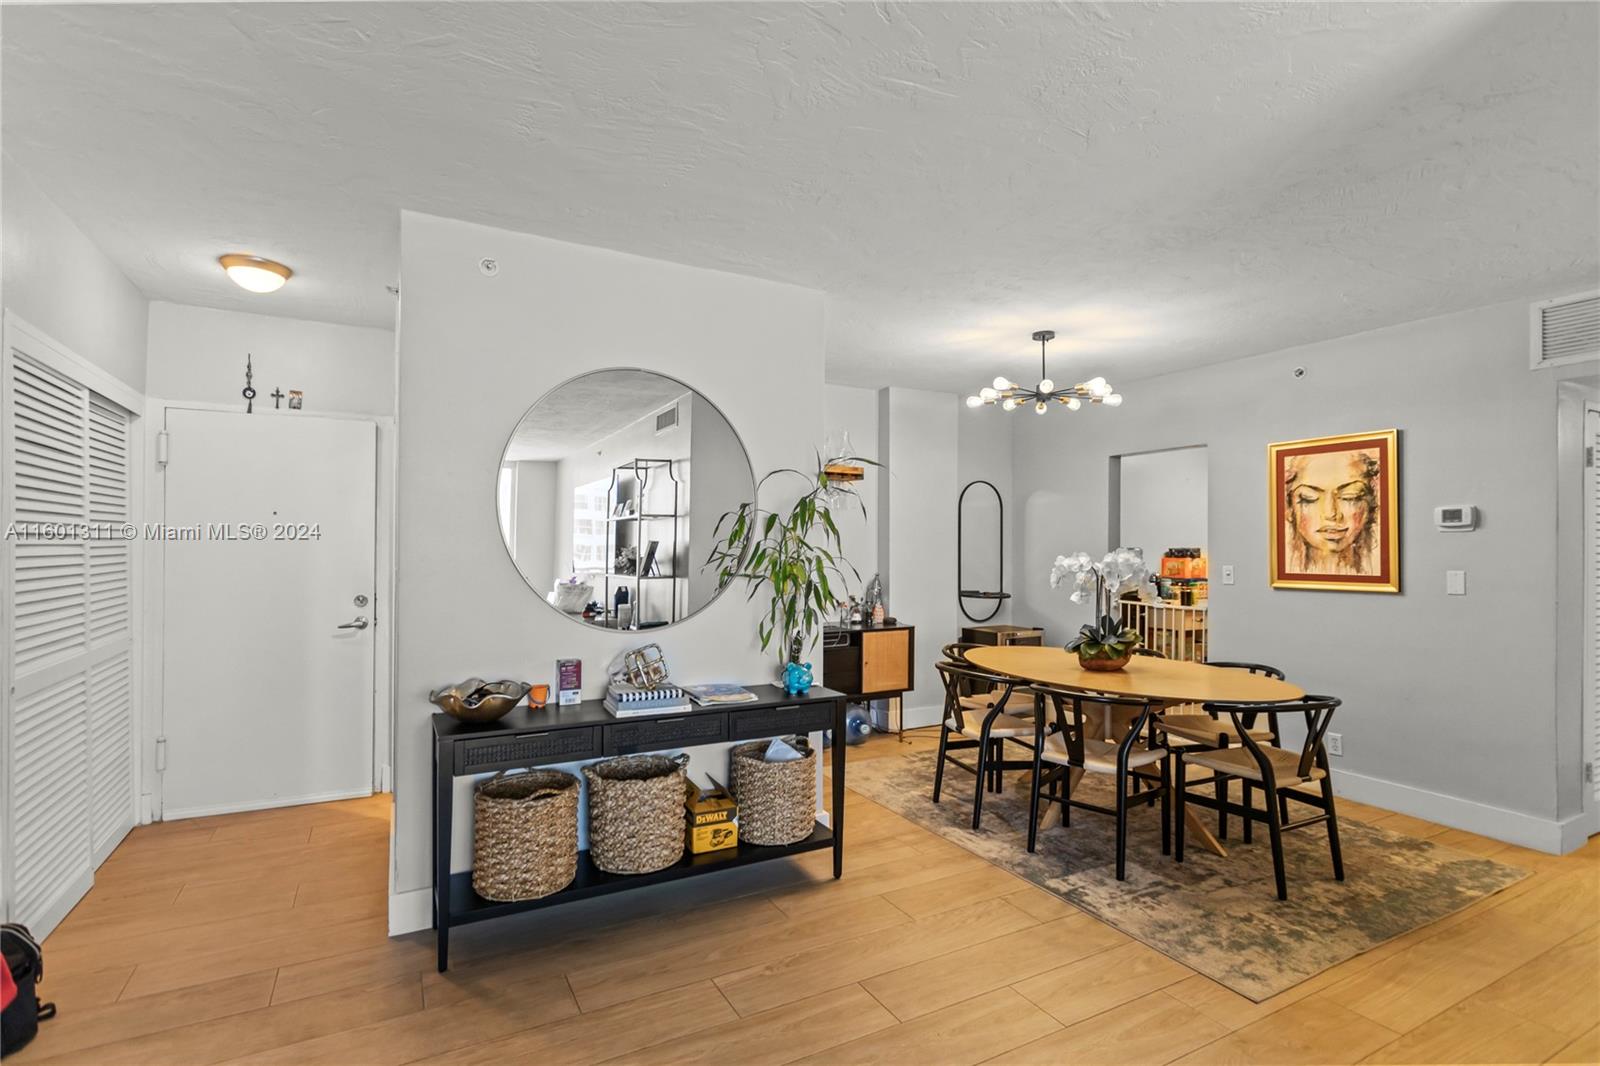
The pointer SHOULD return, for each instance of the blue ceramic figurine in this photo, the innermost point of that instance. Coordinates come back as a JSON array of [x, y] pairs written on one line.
[[797, 678]]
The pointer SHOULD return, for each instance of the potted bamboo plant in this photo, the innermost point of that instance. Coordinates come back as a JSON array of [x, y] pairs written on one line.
[[797, 556]]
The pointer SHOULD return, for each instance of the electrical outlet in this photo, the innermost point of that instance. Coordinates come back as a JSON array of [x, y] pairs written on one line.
[[1334, 742], [1227, 575]]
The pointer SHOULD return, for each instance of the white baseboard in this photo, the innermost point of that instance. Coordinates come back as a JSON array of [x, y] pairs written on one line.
[[921, 715], [410, 911], [263, 805], [1513, 827]]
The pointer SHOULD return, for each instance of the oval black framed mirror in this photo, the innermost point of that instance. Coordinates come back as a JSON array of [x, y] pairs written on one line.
[[594, 493], [981, 553]]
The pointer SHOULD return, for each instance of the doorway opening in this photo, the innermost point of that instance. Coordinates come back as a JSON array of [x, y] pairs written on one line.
[[1159, 505]]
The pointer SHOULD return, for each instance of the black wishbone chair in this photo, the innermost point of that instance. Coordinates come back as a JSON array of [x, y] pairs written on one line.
[[1276, 771], [1127, 759], [1189, 726], [981, 697], [982, 723]]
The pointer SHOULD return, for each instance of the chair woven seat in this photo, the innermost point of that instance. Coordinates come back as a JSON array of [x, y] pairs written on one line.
[[1239, 761]]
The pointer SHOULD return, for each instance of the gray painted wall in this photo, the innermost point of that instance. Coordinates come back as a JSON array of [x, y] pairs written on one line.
[[1453, 696], [474, 353]]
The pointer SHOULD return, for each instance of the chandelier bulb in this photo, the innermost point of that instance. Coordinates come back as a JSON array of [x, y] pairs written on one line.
[[1114, 400], [1047, 385], [974, 401], [986, 393], [1001, 384], [1009, 404], [1039, 408], [1074, 403]]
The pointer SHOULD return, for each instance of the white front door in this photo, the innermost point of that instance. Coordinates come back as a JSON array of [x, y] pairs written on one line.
[[268, 670]]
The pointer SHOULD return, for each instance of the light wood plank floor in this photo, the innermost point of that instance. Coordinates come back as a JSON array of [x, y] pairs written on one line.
[[261, 938]]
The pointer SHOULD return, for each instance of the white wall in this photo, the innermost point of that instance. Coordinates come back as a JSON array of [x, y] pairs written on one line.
[[853, 410], [1449, 702], [534, 527], [198, 353], [917, 529], [196, 356], [1163, 501], [474, 353], [983, 453], [59, 282]]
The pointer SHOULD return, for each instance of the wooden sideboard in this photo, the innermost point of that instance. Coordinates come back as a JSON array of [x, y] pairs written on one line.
[[586, 731], [871, 662]]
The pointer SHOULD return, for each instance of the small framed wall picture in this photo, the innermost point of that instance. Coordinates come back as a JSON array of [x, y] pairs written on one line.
[[1333, 512]]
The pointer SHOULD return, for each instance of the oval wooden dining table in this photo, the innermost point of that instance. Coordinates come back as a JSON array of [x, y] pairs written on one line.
[[1163, 681]]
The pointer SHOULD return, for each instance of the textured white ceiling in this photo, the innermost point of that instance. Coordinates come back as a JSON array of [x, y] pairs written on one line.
[[1164, 186], [578, 413]]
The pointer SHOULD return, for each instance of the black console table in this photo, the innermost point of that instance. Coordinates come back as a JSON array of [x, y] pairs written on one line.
[[585, 731]]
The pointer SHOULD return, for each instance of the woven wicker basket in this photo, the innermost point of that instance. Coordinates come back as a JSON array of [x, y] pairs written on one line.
[[636, 812], [777, 800], [525, 835]]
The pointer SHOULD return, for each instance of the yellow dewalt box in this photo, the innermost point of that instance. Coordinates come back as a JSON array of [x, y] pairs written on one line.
[[710, 815]]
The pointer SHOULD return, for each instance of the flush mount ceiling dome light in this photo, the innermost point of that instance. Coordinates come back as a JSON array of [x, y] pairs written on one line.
[[255, 273], [1011, 396]]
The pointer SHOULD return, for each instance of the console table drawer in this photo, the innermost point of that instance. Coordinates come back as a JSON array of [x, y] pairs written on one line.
[[805, 718], [659, 734], [527, 749]]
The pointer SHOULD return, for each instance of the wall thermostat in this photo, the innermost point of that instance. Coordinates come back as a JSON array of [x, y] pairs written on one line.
[[1455, 517]]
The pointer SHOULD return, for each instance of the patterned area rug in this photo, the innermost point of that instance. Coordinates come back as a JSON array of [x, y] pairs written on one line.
[[1218, 916]]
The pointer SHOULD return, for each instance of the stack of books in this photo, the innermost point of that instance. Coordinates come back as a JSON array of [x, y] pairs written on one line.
[[626, 701], [719, 694]]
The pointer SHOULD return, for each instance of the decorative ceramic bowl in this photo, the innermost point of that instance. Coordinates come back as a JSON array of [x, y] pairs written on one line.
[[477, 701], [1104, 665]]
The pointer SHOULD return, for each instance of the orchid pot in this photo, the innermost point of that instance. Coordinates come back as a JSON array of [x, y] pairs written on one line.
[[1104, 644]]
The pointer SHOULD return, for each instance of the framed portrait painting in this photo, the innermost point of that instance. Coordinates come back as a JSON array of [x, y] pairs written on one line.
[[1334, 512]]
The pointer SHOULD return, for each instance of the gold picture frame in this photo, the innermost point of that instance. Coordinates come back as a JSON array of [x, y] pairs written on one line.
[[1333, 514]]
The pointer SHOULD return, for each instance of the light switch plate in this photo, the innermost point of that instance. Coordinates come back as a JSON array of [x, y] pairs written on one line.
[[1455, 582], [1334, 742], [1227, 575]]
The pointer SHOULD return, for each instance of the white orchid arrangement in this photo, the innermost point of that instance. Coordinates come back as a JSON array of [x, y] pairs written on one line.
[[1122, 570]]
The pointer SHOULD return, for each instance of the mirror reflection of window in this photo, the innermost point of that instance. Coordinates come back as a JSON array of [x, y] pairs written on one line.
[[589, 516]]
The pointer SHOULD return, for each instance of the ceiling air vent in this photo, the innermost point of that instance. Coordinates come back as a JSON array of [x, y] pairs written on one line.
[[1565, 330], [666, 420]]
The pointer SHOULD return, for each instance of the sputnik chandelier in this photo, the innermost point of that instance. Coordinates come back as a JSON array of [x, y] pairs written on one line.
[[1011, 396]]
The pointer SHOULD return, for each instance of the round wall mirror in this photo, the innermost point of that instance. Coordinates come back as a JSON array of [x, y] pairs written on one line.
[[609, 495]]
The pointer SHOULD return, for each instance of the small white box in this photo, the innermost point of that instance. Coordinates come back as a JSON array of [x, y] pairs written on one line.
[[1455, 517]]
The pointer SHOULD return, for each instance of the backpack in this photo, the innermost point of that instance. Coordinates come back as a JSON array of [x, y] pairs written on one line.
[[22, 1013]]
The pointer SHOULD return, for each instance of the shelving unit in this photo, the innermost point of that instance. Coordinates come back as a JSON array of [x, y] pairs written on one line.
[[633, 530], [578, 733]]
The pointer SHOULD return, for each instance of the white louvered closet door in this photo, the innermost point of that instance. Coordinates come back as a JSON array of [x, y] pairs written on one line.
[[1591, 506], [70, 743]]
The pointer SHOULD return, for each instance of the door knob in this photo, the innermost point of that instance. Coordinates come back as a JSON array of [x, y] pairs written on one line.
[[359, 623]]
